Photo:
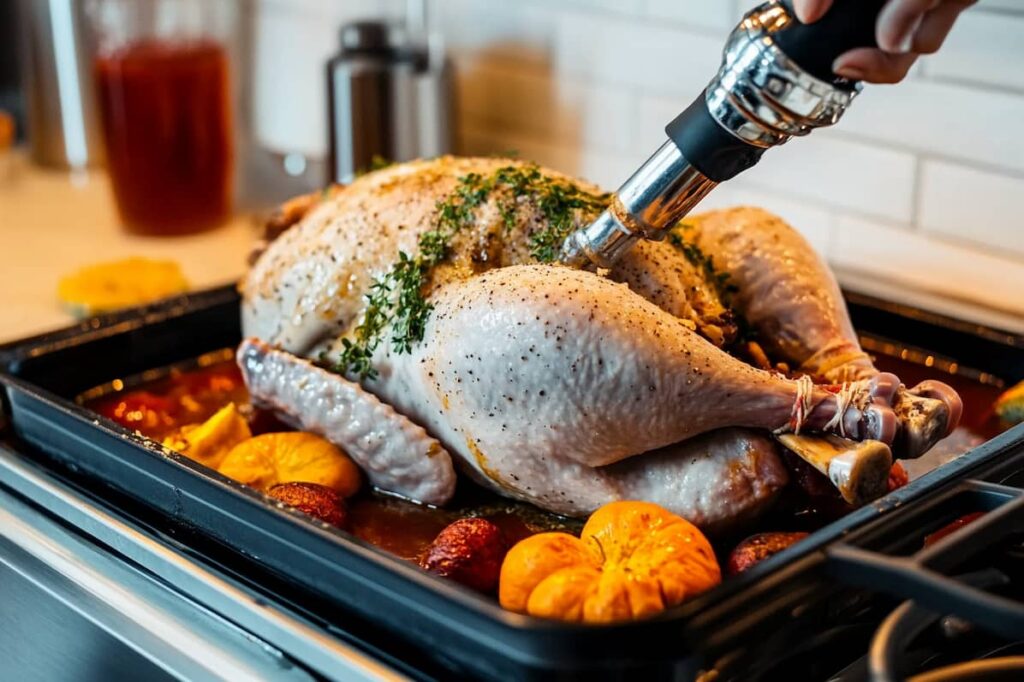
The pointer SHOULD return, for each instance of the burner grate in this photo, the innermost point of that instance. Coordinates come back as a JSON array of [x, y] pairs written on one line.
[[921, 576], [963, 590]]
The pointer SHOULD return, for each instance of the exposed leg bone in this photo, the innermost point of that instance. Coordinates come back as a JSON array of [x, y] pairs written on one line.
[[860, 470]]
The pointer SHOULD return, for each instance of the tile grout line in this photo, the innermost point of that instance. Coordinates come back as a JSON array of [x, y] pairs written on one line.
[[486, 128], [983, 86], [916, 193], [868, 140]]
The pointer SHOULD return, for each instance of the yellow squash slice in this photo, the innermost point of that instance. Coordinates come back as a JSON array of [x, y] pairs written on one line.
[[208, 443]]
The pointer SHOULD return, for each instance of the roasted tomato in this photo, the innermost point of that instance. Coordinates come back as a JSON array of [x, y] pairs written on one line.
[[468, 551], [140, 410], [314, 499], [898, 476], [757, 548]]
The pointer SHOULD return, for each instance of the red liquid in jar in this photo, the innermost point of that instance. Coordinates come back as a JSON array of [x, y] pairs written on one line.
[[166, 121]]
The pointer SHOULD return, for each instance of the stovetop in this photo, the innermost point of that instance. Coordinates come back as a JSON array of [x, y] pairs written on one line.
[[945, 599]]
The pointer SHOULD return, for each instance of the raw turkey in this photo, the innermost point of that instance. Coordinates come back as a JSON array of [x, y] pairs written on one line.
[[565, 388]]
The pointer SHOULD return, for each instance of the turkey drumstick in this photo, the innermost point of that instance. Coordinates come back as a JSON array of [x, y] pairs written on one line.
[[581, 366], [785, 292]]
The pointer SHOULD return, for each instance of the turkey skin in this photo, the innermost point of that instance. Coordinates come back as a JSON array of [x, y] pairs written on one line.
[[566, 388]]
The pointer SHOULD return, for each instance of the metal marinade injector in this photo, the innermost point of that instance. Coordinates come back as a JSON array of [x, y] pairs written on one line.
[[775, 82]]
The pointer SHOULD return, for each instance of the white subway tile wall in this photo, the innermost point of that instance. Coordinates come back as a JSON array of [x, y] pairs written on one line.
[[921, 185], [853, 176], [977, 50], [289, 97], [915, 260], [972, 206]]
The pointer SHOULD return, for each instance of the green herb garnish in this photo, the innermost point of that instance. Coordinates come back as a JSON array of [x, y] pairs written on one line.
[[697, 258], [397, 297], [719, 281], [377, 162], [557, 201]]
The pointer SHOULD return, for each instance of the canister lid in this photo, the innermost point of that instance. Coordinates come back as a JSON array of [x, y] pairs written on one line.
[[369, 37]]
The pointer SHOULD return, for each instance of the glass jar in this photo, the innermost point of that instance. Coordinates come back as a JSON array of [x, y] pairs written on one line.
[[164, 95]]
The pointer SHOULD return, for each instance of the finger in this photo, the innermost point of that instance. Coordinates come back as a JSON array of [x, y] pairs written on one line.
[[936, 25], [873, 66], [809, 11], [899, 21]]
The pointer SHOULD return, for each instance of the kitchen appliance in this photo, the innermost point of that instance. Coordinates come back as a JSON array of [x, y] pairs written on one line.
[[389, 96], [976, 572], [775, 82], [57, 80], [431, 628], [86, 588]]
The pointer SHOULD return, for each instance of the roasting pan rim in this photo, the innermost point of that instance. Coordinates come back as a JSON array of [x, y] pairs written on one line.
[[17, 358]]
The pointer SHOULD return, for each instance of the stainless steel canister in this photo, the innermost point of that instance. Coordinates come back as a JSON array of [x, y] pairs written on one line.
[[389, 99], [58, 83]]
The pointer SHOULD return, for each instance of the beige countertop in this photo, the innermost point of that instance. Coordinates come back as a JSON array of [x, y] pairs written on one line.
[[53, 222]]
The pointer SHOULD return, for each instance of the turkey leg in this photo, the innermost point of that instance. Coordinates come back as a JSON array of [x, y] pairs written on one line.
[[786, 293], [541, 361]]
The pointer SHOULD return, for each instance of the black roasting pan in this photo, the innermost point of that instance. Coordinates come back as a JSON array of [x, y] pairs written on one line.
[[460, 632]]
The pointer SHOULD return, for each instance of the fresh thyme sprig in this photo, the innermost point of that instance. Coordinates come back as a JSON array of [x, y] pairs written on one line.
[[557, 201], [397, 297]]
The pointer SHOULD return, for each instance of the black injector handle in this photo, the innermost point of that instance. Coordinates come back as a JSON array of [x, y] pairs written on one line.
[[847, 25], [720, 154]]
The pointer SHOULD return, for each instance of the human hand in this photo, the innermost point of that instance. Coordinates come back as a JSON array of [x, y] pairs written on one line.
[[906, 29]]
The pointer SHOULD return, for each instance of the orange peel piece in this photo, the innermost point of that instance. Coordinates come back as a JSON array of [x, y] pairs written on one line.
[[272, 458]]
